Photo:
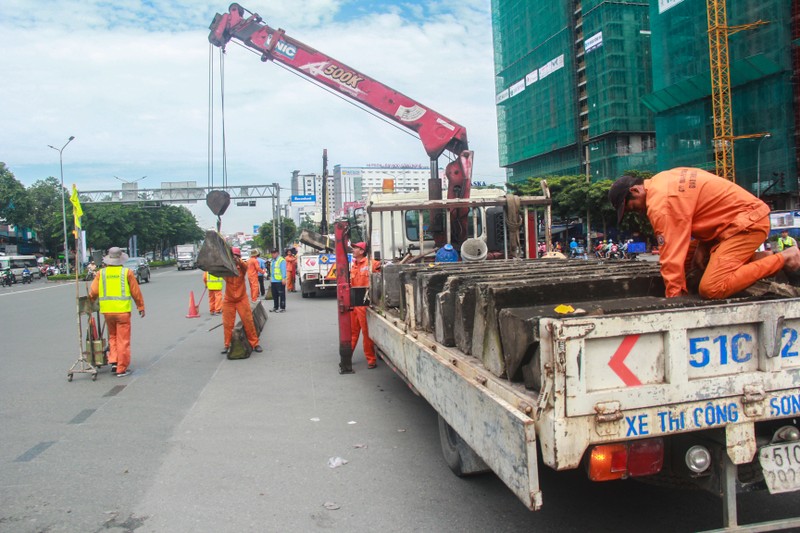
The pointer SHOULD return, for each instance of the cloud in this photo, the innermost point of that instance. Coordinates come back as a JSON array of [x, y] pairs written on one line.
[[131, 83]]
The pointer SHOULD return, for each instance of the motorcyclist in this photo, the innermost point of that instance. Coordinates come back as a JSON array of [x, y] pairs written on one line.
[[26, 275], [8, 277]]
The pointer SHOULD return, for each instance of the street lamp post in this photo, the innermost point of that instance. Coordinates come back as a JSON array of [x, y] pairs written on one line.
[[758, 164], [63, 199]]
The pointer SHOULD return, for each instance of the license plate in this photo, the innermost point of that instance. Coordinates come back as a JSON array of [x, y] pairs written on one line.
[[780, 464]]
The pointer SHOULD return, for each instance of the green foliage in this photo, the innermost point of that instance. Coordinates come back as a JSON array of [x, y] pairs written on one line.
[[15, 205], [573, 196], [156, 264], [110, 225], [264, 238], [307, 224]]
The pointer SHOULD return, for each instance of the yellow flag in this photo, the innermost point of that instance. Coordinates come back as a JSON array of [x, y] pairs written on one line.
[[77, 211]]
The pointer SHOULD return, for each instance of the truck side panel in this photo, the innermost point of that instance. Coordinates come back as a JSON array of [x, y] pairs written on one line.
[[499, 433]]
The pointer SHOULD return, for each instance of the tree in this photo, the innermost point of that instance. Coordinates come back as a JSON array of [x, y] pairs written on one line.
[[156, 229], [264, 238], [45, 197], [308, 224], [15, 205]]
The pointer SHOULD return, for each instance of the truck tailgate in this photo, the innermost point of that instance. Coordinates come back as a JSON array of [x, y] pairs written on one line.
[[677, 356]]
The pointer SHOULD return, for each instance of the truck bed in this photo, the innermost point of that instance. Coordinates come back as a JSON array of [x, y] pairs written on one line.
[[490, 348]]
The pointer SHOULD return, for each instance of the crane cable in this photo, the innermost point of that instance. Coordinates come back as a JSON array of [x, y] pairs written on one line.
[[211, 125], [210, 133], [222, 116]]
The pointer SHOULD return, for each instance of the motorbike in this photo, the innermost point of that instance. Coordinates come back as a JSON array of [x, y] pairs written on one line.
[[89, 275], [27, 277], [7, 278], [614, 253]]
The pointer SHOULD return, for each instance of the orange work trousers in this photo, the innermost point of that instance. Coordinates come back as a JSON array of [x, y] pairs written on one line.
[[229, 310], [729, 271], [254, 288], [214, 301], [290, 275], [358, 323], [119, 339]]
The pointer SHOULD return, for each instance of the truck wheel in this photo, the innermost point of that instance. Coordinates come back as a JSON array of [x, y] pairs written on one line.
[[458, 455], [304, 294]]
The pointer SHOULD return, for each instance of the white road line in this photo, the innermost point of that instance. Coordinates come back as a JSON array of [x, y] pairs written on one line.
[[34, 290]]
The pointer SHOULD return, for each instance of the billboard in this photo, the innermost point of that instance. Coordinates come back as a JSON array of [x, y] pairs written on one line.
[[784, 220]]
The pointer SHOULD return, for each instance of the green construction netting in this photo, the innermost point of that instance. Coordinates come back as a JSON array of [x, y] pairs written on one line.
[[618, 70], [761, 98], [533, 43], [539, 119]]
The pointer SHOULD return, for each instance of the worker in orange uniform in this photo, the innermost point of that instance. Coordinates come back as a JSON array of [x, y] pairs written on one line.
[[359, 278], [235, 301], [291, 269], [727, 222], [114, 287], [253, 269], [214, 286]]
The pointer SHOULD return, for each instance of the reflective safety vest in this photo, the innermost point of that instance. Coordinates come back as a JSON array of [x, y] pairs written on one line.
[[114, 292], [213, 283], [276, 268]]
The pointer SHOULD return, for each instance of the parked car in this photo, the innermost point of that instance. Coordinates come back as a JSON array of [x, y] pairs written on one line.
[[140, 268]]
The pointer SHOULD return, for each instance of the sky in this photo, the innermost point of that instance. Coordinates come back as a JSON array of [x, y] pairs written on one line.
[[130, 80]]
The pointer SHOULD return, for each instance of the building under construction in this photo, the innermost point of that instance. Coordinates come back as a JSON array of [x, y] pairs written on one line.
[[637, 71], [570, 78]]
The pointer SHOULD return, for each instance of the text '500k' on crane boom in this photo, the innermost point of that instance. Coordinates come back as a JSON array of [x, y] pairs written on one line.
[[437, 132]]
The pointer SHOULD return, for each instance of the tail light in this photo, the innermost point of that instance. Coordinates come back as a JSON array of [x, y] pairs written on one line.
[[622, 460]]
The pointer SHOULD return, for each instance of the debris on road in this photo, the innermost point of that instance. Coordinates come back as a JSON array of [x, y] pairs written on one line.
[[336, 462]]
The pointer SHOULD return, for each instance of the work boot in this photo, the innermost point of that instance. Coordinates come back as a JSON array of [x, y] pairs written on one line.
[[258, 348], [224, 350], [123, 374]]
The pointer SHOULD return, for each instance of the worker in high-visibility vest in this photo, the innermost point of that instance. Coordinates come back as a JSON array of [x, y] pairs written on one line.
[[214, 286], [277, 281], [236, 302], [114, 287], [785, 241]]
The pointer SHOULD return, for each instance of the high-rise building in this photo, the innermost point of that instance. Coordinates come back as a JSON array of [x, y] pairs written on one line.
[[353, 184], [570, 76], [764, 91]]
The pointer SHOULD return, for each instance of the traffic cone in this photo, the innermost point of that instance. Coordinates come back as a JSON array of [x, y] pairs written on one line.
[[192, 307]]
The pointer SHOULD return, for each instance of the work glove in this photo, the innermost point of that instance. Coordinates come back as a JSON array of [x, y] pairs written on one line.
[[141, 313]]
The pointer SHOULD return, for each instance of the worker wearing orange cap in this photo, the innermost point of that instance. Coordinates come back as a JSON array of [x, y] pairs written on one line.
[[727, 222], [359, 278], [236, 302], [253, 269], [291, 269], [114, 287], [214, 286]]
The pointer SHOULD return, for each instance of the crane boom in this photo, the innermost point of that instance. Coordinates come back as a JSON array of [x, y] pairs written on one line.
[[437, 132]]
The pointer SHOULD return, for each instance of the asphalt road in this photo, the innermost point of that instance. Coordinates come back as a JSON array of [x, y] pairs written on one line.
[[193, 442]]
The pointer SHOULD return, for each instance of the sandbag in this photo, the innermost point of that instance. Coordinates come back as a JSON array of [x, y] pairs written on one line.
[[216, 257]]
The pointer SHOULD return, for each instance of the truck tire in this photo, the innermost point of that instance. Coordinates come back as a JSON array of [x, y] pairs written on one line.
[[458, 455]]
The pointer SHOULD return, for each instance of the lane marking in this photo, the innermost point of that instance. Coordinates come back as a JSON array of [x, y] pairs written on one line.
[[33, 452], [114, 391], [81, 417]]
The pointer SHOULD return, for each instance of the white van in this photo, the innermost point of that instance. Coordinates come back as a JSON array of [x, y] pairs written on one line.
[[17, 263]]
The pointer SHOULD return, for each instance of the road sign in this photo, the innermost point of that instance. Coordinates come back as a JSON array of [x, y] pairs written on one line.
[[304, 198]]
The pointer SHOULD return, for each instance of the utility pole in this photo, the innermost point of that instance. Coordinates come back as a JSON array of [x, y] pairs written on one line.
[[588, 218], [323, 226], [280, 216]]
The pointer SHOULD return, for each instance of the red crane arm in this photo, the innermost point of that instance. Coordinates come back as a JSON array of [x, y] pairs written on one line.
[[437, 132]]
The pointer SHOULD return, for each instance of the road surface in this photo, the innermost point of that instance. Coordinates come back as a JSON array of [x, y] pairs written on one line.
[[192, 442]]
